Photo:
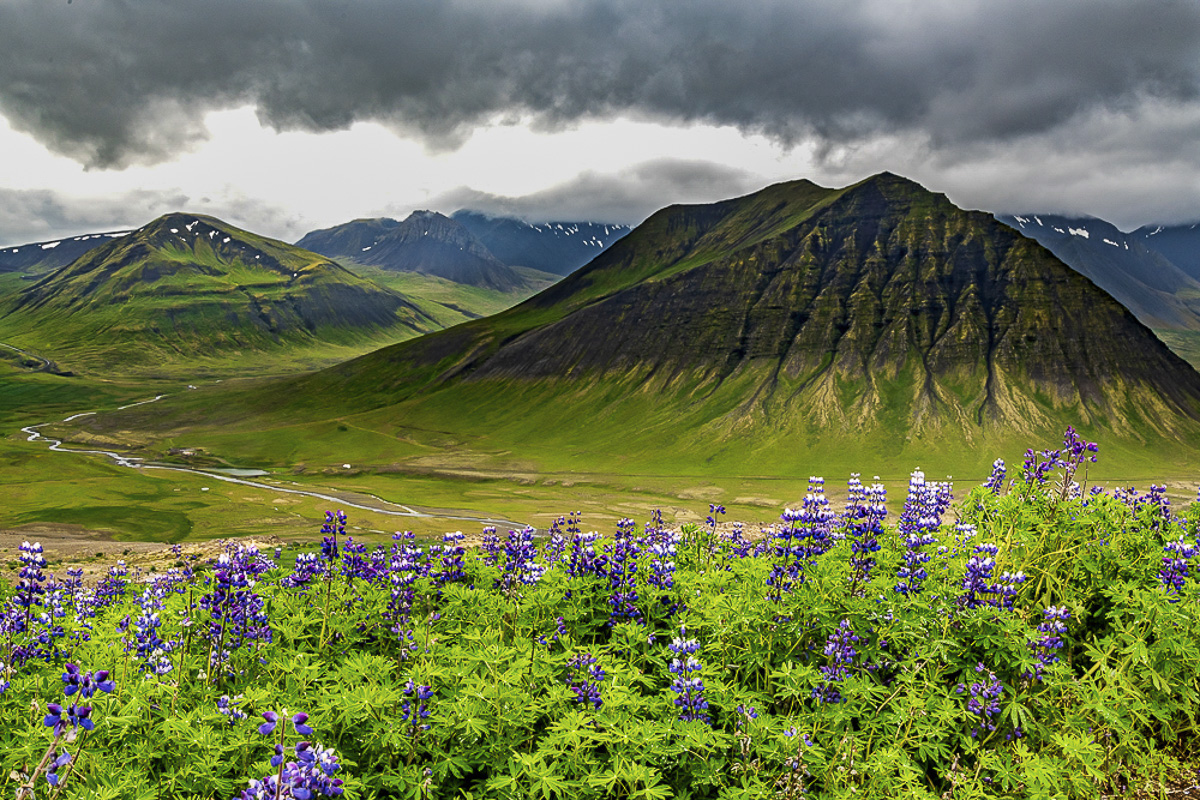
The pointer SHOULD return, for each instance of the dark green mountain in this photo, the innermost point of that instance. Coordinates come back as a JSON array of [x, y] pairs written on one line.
[[187, 285], [426, 242], [559, 248], [792, 330]]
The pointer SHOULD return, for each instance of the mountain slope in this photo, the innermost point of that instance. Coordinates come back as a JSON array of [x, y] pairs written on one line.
[[425, 242], [1179, 244], [187, 285], [876, 324], [1158, 292], [556, 247]]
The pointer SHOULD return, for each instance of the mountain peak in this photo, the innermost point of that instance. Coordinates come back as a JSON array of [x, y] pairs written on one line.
[[878, 309], [425, 242], [190, 283]]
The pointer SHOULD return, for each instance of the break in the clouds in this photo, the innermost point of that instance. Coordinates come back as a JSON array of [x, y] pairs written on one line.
[[129, 81]]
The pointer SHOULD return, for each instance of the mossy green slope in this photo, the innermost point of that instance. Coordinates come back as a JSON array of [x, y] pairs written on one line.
[[771, 333], [190, 286]]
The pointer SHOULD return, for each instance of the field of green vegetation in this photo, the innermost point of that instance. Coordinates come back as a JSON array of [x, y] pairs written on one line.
[[1031, 637]]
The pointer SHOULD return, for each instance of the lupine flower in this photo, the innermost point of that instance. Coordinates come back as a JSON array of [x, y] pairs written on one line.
[[1075, 453], [995, 481], [86, 683], [984, 701], [237, 613], [1046, 647], [865, 511], [335, 525], [64, 758], [977, 581], [227, 706], [307, 570], [841, 652], [310, 775], [622, 575], [804, 535], [451, 560], [584, 676], [688, 685], [520, 567], [31, 581], [1176, 565], [110, 590], [299, 723], [661, 574], [714, 510], [919, 519], [489, 545], [414, 710], [150, 648]]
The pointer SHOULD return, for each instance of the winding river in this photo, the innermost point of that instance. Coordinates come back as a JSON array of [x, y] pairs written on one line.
[[240, 477]]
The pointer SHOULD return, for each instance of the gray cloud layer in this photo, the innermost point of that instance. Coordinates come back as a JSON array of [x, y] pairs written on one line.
[[114, 82], [626, 197], [41, 215]]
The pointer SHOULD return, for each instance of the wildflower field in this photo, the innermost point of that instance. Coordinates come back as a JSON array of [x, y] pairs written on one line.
[[1031, 637]]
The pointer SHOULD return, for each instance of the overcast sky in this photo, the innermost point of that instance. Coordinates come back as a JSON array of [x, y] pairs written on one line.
[[282, 116]]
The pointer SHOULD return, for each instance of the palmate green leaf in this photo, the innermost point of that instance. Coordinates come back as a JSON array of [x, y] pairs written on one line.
[[539, 777]]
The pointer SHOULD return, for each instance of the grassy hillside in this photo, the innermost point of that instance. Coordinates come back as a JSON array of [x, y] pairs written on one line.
[[190, 294]]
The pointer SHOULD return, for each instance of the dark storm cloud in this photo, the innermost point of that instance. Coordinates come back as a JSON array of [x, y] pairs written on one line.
[[123, 81], [626, 197]]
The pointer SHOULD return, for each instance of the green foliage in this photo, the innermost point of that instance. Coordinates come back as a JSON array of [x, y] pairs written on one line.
[[1117, 711]]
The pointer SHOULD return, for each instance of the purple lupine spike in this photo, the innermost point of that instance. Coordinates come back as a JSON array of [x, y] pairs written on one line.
[[984, 700], [995, 481], [1046, 647], [1176, 565], [688, 685], [841, 651], [584, 677], [864, 515], [919, 520]]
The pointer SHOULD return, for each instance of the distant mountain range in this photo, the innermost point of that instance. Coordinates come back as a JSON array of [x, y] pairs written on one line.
[[186, 286], [556, 247], [1179, 243], [40, 257], [469, 247], [425, 242]]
